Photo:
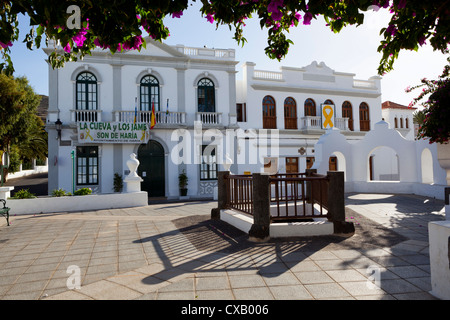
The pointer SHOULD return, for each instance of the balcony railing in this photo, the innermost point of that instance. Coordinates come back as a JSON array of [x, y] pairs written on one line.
[[315, 122], [311, 122], [85, 115], [161, 117], [209, 118]]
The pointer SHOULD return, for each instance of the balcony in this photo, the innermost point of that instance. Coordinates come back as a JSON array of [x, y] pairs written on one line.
[[209, 118], [85, 115], [315, 123], [162, 118]]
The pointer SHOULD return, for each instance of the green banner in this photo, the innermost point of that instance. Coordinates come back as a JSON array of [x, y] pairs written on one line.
[[112, 132]]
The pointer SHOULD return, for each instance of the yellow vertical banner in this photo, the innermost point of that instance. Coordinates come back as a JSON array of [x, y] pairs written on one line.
[[327, 116]]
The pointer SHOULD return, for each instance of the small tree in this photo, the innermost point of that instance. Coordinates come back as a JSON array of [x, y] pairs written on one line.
[[436, 115], [22, 132]]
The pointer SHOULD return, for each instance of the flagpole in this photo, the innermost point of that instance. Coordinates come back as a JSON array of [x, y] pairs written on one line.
[[135, 109]]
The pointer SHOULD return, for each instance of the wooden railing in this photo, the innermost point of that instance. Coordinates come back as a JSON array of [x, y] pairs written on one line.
[[298, 197], [293, 196], [240, 193], [284, 197]]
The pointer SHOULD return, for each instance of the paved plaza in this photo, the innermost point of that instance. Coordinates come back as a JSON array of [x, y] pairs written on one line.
[[174, 251]]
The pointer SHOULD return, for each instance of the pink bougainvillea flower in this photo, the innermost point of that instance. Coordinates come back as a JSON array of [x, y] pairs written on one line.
[[210, 18], [392, 30], [307, 18], [273, 8], [80, 38], [67, 48], [422, 40], [6, 45], [276, 15], [177, 14], [273, 5]]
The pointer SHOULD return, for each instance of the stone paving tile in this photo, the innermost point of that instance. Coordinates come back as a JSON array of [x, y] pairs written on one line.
[[246, 281], [107, 290], [290, 292], [414, 296], [362, 288], [396, 286], [313, 277], [283, 279], [214, 295], [408, 271], [346, 275], [327, 291], [258, 293], [176, 295], [69, 295], [212, 283]]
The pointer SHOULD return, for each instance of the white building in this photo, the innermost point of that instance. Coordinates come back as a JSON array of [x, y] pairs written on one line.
[[104, 103], [292, 100], [400, 118]]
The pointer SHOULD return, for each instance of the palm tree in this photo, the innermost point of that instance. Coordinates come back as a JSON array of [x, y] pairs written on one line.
[[419, 117]]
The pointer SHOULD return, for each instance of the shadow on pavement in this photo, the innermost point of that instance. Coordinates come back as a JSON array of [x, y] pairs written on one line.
[[223, 247]]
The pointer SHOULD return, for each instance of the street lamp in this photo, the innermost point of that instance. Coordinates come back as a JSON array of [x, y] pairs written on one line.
[[58, 125]]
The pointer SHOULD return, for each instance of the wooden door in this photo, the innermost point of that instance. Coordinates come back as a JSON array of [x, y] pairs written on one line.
[[151, 168]]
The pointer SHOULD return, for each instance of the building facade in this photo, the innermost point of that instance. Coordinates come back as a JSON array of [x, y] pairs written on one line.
[[301, 103], [400, 118], [100, 112]]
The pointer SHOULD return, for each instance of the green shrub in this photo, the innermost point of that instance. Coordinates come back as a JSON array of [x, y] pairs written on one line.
[[60, 193], [118, 182], [82, 192], [23, 194]]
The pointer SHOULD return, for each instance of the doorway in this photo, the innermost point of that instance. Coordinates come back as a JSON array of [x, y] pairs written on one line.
[[292, 165], [151, 168], [332, 164]]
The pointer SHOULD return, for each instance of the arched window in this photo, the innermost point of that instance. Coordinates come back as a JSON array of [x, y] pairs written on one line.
[[364, 119], [290, 113], [406, 123], [86, 91], [347, 112], [401, 123], [328, 101], [310, 107], [206, 95], [269, 113], [395, 122], [149, 90]]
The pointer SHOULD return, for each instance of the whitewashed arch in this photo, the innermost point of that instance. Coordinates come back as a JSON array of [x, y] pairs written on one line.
[[426, 166]]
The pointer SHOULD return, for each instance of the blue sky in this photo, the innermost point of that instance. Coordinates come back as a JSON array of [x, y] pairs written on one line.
[[353, 50]]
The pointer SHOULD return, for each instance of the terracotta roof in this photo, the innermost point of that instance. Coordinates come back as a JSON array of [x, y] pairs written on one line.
[[393, 105]]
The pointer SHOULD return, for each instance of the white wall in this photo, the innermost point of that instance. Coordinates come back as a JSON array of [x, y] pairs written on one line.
[[357, 154]]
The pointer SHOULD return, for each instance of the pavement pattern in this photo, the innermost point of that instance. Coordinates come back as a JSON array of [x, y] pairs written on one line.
[[173, 251]]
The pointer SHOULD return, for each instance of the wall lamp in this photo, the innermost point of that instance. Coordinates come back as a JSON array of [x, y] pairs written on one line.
[[58, 125]]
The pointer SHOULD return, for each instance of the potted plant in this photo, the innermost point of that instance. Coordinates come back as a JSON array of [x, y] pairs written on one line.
[[182, 183], [118, 182], [435, 124]]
